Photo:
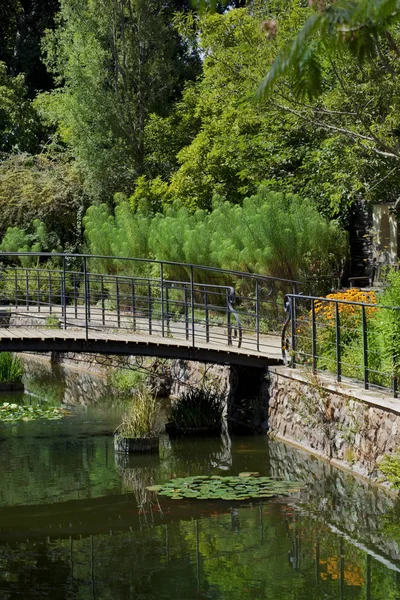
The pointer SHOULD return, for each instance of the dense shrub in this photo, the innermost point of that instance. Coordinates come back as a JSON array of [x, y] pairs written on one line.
[[271, 233], [49, 190]]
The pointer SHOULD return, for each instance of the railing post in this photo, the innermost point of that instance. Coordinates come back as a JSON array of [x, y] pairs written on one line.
[[192, 303], [64, 293], [75, 297], [133, 304], [257, 316], [149, 304], [118, 302], [16, 286], [338, 358], [314, 336], [38, 289], [365, 346], [207, 316], [228, 319], [85, 297], [88, 295], [167, 315], [186, 311], [162, 299], [27, 288], [292, 308], [103, 307], [50, 294]]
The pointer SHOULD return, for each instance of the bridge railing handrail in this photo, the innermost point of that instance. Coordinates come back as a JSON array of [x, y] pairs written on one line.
[[225, 304], [316, 339], [66, 255]]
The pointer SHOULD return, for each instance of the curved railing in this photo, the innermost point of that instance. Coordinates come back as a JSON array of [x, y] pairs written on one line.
[[170, 299], [337, 336]]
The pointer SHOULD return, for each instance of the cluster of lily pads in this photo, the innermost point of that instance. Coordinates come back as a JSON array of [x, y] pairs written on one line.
[[245, 486], [20, 412]]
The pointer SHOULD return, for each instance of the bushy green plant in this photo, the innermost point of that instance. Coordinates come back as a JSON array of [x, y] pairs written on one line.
[[46, 188], [390, 467], [11, 369], [124, 380], [388, 322], [140, 420], [198, 408], [21, 282], [271, 234]]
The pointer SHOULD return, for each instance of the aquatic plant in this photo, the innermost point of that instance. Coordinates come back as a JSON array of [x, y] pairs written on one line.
[[11, 370], [245, 486], [140, 420], [198, 408], [20, 412]]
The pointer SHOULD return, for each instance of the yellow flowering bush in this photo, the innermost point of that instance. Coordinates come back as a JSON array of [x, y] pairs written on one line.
[[349, 313], [350, 319]]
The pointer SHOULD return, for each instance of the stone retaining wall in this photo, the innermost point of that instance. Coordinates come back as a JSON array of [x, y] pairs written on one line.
[[342, 423]]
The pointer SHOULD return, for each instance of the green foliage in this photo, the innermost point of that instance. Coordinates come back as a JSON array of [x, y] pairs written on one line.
[[198, 408], [334, 29], [149, 196], [141, 417], [245, 486], [19, 122], [11, 369], [126, 380], [340, 75], [390, 467], [43, 188], [118, 62], [20, 280], [22, 25], [272, 234], [123, 234], [18, 240], [388, 323]]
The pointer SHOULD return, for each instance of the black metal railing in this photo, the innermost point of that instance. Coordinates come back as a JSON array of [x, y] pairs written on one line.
[[342, 337], [193, 302]]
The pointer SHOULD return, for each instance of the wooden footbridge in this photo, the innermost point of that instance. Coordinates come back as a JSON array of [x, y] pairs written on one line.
[[109, 305]]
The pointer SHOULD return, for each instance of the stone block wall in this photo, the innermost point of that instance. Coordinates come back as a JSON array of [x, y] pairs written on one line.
[[351, 428]]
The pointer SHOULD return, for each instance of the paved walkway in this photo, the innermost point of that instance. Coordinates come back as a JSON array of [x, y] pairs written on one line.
[[110, 333]]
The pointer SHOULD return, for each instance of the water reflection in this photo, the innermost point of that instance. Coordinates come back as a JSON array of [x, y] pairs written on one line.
[[77, 522]]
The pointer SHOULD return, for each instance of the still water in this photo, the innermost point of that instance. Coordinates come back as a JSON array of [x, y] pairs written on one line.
[[76, 522]]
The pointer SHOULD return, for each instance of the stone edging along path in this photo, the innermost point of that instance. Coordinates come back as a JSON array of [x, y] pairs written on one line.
[[351, 427]]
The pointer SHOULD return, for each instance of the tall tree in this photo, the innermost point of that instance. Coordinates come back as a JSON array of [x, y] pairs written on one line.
[[353, 45], [22, 24], [117, 62]]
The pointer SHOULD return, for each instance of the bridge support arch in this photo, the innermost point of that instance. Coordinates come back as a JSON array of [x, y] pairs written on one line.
[[247, 408]]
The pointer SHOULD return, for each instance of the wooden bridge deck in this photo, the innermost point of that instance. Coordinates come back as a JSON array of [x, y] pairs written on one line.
[[28, 332]]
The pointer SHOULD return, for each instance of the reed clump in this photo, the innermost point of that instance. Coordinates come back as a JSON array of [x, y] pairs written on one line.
[[11, 369], [141, 419], [198, 409]]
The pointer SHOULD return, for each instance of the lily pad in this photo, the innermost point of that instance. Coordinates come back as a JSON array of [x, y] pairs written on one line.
[[225, 488]]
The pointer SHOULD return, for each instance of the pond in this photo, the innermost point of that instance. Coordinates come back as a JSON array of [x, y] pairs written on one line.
[[77, 523]]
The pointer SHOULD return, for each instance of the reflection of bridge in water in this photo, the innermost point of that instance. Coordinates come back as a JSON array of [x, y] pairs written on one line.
[[83, 303], [305, 545]]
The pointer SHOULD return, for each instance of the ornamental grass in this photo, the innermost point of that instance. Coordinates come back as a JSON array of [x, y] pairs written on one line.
[[11, 369], [140, 420]]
